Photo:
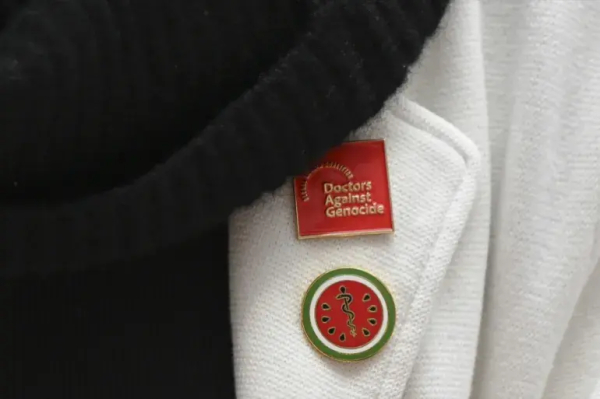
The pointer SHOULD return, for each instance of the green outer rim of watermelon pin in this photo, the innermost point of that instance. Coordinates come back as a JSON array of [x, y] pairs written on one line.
[[310, 333]]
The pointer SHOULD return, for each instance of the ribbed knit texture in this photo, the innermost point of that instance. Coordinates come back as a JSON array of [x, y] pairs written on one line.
[[130, 130], [87, 84], [132, 331], [7, 7], [104, 100]]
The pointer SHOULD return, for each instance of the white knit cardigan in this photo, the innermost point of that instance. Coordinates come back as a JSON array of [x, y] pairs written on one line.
[[494, 161]]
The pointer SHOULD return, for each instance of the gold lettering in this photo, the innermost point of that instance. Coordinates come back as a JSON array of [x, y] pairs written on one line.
[[346, 188], [337, 210], [334, 204]]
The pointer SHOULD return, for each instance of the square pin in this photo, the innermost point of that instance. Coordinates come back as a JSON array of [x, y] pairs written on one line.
[[346, 194]]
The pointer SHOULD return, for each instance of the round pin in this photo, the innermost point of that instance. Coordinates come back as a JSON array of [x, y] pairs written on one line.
[[348, 314]]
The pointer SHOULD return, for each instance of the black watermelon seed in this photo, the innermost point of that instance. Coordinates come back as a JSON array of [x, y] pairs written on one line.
[[342, 337], [331, 330]]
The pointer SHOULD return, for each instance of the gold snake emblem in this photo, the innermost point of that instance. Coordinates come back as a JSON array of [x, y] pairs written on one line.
[[347, 298]]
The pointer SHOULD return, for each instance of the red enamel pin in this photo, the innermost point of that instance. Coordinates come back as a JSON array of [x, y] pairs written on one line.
[[346, 194], [348, 314]]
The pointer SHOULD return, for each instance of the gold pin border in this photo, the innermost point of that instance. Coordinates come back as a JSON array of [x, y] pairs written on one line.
[[347, 234]]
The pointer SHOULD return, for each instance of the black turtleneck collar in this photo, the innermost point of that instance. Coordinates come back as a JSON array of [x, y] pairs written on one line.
[[133, 126], [130, 132]]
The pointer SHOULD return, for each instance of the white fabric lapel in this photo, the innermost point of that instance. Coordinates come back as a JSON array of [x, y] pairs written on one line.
[[449, 80], [433, 171]]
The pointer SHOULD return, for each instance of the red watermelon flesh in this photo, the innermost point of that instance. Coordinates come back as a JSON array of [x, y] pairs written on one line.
[[349, 314]]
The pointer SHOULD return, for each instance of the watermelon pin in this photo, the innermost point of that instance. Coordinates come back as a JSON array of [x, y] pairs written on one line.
[[348, 314]]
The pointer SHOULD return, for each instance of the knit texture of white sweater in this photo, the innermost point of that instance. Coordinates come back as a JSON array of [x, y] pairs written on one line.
[[494, 161]]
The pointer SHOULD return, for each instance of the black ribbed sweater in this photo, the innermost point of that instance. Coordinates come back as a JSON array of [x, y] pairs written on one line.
[[130, 130]]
